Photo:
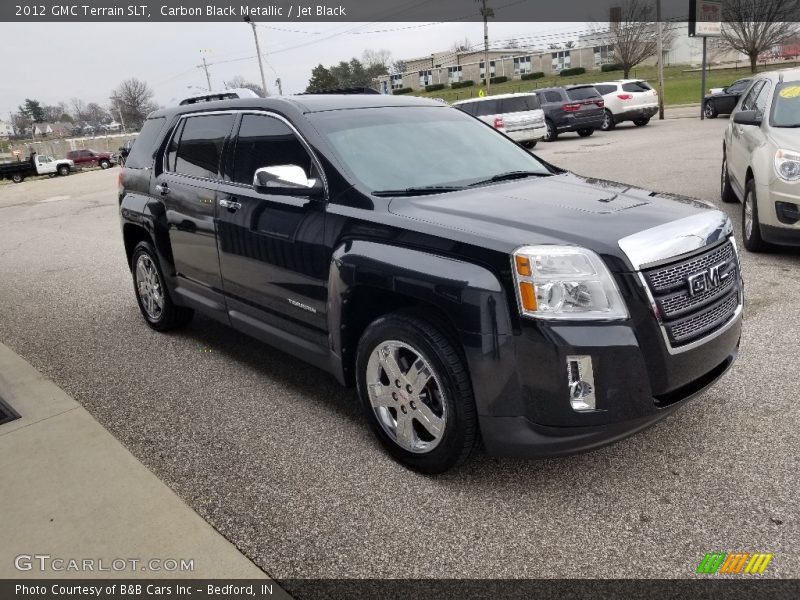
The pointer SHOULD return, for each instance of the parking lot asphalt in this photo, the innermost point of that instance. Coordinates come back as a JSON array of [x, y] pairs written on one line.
[[274, 454]]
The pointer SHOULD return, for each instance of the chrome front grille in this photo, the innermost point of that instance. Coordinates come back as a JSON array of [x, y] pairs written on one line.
[[686, 314]]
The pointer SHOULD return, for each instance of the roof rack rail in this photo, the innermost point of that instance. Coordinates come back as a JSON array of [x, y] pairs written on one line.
[[347, 90], [220, 95]]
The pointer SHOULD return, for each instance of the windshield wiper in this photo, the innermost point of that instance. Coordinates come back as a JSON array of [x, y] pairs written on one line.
[[419, 191], [509, 176]]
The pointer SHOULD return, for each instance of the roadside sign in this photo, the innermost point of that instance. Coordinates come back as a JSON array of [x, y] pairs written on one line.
[[705, 18], [481, 93]]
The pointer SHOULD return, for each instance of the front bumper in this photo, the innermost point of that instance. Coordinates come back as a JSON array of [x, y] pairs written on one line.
[[776, 226]]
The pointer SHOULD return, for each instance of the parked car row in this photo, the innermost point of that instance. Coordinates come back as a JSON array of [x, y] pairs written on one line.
[[36, 164], [546, 113]]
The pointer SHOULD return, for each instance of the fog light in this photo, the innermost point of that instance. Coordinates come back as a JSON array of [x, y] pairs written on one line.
[[580, 380], [788, 213]]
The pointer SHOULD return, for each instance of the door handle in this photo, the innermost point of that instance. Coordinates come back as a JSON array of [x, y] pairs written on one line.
[[162, 188], [231, 205]]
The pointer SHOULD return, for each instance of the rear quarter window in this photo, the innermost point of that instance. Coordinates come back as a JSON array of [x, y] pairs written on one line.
[[552, 97], [636, 86], [468, 108], [487, 107], [141, 155], [606, 89], [519, 104]]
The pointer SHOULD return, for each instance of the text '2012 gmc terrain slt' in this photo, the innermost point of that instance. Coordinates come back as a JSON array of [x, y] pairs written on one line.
[[467, 289]]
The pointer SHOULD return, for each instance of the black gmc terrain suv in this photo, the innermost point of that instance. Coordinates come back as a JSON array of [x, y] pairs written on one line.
[[467, 289]]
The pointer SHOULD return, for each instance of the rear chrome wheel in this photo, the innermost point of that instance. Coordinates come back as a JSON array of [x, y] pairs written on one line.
[[149, 287], [152, 295]]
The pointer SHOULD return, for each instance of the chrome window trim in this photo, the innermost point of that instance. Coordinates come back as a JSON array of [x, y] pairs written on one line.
[[234, 136]]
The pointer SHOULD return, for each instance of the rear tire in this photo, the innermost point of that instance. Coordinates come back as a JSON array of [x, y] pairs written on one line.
[[63, 170], [641, 122], [152, 295], [608, 121], [416, 392], [726, 190], [585, 132], [751, 227], [17, 178], [710, 110], [552, 132], [104, 164], [530, 144]]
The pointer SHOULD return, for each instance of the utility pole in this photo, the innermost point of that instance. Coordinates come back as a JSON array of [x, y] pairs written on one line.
[[117, 100], [660, 27], [486, 12], [703, 78], [205, 68], [280, 88], [258, 54]]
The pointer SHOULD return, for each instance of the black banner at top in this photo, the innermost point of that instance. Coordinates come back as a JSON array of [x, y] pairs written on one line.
[[603, 11]]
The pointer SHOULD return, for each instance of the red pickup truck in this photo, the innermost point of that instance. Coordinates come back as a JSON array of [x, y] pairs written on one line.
[[91, 158]]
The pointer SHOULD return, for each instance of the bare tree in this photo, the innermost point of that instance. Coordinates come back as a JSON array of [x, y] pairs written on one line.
[[380, 57], [238, 81], [753, 28], [634, 37], [569, 44], [398, 66], [462, 46], [134, 99]]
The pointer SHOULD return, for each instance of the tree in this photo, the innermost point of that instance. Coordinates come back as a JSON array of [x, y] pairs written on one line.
[[33, 110], [372, 58], [21, 122], [95, 115], [634, 36], [569, 44], [753, 28], [134, 99], [398, 66], [53, 114], [554, 46], [240, 82], [462, 46], [321, 79]]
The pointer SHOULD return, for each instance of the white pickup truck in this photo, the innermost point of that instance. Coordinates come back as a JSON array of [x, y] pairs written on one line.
[[37, 164]]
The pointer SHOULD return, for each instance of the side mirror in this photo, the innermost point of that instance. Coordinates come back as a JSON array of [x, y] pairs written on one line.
[[288, 180], [747, 117]]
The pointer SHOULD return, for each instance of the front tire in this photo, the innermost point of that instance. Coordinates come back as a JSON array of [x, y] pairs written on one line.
[[710, 110], [63, 170], [152, 295], [585, 132], [641, 122], [416, 392], [751, 227], [726, 190], [608, 121], [104, 164]]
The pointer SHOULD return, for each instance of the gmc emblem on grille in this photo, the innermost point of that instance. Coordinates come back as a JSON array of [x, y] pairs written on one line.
[[711, 278]]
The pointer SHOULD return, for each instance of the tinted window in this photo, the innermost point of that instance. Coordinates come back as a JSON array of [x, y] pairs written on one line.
[[172, 150], [141, 155], [201, 143], [519, 104], [468, 108], [487, 107], [266, 142], [582, 93], [606, 89], [739, 86], [552, 96], [72, 154], [760, 103], [636, 86]]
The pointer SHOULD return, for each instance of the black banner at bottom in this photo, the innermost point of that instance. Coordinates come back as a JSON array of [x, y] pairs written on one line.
[[403, 589]]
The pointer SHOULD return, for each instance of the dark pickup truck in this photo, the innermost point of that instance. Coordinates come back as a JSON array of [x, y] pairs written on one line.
[[470, 291]]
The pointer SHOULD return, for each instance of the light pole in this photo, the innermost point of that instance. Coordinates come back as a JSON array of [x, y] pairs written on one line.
[[247, 19], [205, 68], [117, 100], [486, 13], [660, 27]]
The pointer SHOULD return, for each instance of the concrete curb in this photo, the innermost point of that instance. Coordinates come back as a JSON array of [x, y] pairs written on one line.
[[70, 490]]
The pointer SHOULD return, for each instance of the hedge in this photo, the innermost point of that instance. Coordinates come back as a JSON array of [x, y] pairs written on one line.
[[536, 75], [462, 84], [402, 91], [433, 87], [501, 79], [614, 67], [575, 71]]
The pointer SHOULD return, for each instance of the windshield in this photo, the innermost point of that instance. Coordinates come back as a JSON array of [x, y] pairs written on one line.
[[411, 147], [786, 107]]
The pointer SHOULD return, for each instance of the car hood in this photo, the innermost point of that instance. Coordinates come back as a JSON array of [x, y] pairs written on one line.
[[785, 138], [561, 209]]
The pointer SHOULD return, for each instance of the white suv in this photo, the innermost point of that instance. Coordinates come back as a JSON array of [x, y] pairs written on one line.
[[627, 100], [761, 160], [519, 116]]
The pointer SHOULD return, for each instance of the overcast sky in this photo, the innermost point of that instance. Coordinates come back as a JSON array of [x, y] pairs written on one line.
[[54, 62]]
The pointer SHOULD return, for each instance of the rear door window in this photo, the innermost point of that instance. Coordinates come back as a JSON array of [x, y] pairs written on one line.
[[636, 86], [487, 107], [201, 143], [582, 93], [552, 96], [141, 155]]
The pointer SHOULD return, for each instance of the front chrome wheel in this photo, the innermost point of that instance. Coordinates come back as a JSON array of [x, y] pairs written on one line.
[[406, 396], [748, 215], [149, 287]]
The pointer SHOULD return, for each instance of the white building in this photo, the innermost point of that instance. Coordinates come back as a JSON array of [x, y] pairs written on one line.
[[6, 129]]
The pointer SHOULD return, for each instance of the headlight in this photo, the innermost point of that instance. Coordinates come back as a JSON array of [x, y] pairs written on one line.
[[567, 283], [787, 164]]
